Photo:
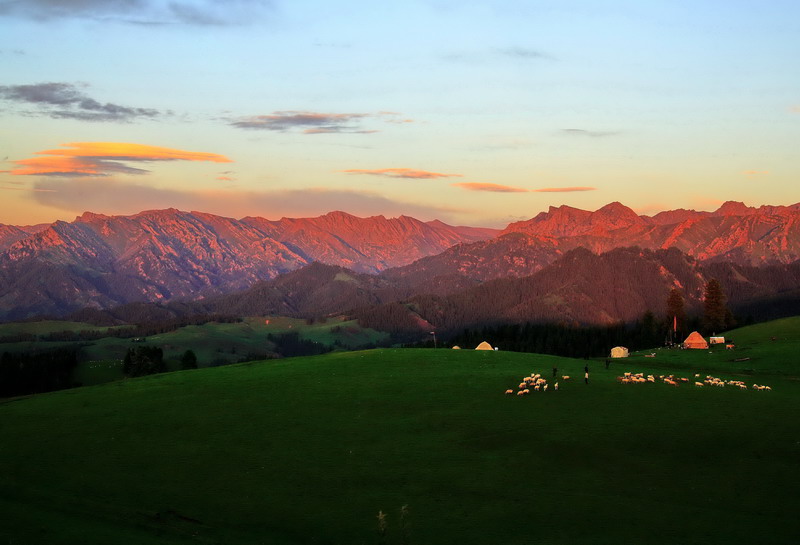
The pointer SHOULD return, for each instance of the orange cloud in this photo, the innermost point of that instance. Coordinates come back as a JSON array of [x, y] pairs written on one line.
[[6, 188], [754, 173], [562, 189], [402, 173], [225, 179], [103, 159], [495, 188], [795, 109]]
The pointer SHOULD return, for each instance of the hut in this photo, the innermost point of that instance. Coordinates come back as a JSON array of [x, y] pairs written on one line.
[[695, 340], [456, 347], [619, 352], [484, 346], [716, 340]]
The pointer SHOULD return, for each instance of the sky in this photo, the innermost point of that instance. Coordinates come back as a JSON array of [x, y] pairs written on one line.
[[472, 112]]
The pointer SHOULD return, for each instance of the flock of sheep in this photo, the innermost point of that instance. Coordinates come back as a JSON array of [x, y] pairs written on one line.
[[672, 380], [536, 383]]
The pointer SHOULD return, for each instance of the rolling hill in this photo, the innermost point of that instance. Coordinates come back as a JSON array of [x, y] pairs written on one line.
[[309, 450]]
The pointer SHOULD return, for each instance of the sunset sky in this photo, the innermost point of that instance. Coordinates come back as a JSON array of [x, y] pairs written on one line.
[[472, 112]]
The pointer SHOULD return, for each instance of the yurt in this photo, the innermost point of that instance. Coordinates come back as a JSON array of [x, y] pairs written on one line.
[[619, 352], [695, 340], [456, 347], [484, 346]]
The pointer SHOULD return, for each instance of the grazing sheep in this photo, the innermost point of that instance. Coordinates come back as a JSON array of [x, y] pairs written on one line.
[[545, 388], [509, 392], [521, 393], [536, 387], [526, 391], [565, 377], [700, 384], [555, 386], [522, 385]]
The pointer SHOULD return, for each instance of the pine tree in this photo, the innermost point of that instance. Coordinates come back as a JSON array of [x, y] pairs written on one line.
[[676, 311], [189, 360], [716, 313]]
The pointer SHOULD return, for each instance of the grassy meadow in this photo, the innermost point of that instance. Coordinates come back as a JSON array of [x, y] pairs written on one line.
[[213, 343], [308, 450]]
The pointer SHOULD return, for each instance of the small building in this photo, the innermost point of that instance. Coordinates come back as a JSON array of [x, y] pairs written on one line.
[[716, 340], [619, 352], [696, 341], [456, 347], [484, 346]]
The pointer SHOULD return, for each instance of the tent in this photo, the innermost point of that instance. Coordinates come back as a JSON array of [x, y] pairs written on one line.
[[695, 340], [484, 346], [619, 352], [456, 347], [716, 340]]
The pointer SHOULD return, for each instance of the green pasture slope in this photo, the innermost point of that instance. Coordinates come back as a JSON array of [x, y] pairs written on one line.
[[213, 343], [308, 450]]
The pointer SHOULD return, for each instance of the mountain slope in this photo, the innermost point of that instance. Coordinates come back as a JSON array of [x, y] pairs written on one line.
[[162, 255]]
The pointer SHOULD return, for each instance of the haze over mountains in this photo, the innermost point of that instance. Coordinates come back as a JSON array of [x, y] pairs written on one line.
[[102, 261]]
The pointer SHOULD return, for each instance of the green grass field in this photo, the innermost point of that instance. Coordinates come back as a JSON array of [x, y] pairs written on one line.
[[308, 450], [214, 343]]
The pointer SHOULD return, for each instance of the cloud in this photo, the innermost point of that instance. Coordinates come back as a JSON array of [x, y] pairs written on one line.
[[117, 197], [67, 101], [795, 109], [591, 134], [494, 188], [102, 159], [225, 179], [514, 53], [755, 173], [148, 12], [36, 190], [523, 53], [315, 122], [402, 173], [563, 189], [497, 188]]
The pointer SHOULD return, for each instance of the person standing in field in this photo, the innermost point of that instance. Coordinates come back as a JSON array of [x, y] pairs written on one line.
[[586, 374]]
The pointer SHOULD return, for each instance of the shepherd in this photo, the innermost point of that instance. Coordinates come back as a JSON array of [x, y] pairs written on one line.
[[586, 374]]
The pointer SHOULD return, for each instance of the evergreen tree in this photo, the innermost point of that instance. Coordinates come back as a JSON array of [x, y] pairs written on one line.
[[676, 312], [189, 360], [143, 360], [715, 312]]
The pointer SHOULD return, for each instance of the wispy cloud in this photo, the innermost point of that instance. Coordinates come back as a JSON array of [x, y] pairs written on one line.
[[308, 122], [190, 12], [401, 173], [118, 197], [497, 188], [493, 188], [102, 159], [513, 53], [28, 189], [563, 189], [524, 53], [67, 101], [755, 173], [795, 109], [590, 134]]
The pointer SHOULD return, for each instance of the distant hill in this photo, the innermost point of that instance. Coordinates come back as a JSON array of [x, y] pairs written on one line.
[[102, 262], [160, 255]]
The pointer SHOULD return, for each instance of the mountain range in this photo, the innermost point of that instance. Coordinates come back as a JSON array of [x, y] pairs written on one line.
[[551, 264]]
